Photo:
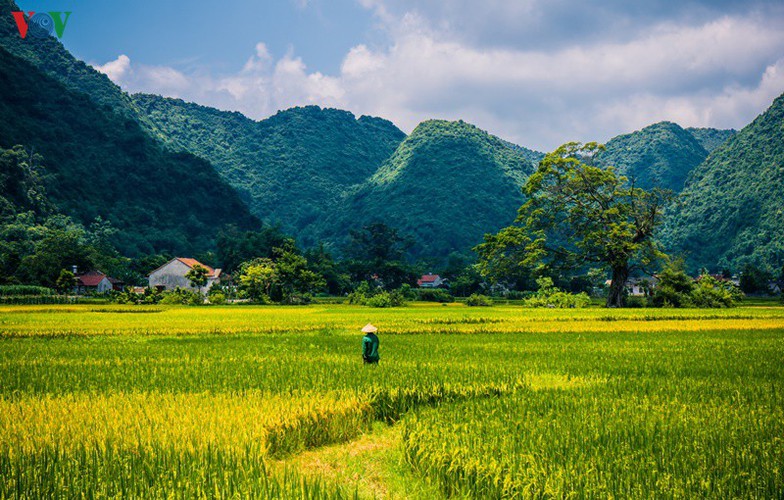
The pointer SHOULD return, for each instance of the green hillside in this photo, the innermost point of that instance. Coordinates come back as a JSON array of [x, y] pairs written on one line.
[[22, 184], [446, 185], [732, 211], [529, 154], [292, 168], [711, 138], [51, 58], [102, 164], [660, 155]]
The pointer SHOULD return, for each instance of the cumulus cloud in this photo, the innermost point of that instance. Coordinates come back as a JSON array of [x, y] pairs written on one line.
[[116, 69], [720, 70], [143, 78]]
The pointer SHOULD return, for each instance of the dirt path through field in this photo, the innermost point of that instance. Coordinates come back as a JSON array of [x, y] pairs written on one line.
[[372, 464]]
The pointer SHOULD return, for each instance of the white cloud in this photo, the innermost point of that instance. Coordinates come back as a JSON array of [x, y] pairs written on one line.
[[719, 72], [116, 69], [142, 78]]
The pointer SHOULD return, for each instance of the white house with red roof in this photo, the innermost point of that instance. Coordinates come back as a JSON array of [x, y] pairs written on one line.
[[93, 281], [430, 280], [173, 275]]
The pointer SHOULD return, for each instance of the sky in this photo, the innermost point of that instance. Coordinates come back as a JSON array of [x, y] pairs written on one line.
[[535, 72]]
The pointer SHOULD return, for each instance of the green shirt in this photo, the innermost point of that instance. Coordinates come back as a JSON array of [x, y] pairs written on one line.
[[370, 347]]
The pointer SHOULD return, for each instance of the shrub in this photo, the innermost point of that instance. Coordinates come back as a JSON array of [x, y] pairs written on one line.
[[366, 295], [479, 300], [636, 302], [407, 292], [434, 295], [550, 296], [379, 300], [710, 292], [674, 287], [181, 296], [677, 289], [28, 290], [297, 299], [386, 299], [217, 298], [127, 296], [361, 294]]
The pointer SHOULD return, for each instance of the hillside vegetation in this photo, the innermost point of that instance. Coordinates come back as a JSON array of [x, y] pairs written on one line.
[[293, 168], [100, 158], [731, 213], [711, 138], [660, 155], [446, 185], [102, 164]]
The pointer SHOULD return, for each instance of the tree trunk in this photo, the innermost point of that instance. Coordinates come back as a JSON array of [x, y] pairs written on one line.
[[618, 286]]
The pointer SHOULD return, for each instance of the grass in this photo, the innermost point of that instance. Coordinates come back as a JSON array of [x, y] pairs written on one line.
[[275, 402]]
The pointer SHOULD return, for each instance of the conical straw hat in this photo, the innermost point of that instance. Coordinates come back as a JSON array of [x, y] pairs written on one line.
[[369, 328]]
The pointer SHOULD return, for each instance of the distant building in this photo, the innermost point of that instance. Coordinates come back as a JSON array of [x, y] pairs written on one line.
[[93, 282], [638, 287], [117, 285], [431, 280], [172, 275]]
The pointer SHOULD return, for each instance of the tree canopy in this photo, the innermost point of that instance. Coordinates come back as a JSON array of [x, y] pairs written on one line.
[[577, 216]]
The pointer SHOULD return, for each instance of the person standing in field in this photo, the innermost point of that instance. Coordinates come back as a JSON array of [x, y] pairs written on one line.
[[370, 345]]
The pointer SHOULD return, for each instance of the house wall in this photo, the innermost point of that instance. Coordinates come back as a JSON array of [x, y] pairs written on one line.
[[104, 286], [172, 276], [434, 284]]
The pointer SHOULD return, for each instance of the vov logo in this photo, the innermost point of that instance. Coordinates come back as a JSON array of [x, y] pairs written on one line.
[[41, 24]]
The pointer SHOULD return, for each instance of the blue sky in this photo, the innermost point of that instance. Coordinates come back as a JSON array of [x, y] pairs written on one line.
[[536, 72]]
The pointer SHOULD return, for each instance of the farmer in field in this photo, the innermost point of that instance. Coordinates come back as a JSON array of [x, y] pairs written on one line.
[[370, 345]]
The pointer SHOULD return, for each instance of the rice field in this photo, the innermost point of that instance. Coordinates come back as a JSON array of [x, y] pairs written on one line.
[[501, 402]]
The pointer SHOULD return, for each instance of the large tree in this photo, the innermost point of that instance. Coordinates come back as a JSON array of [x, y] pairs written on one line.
[[378, 251], [579, 216]]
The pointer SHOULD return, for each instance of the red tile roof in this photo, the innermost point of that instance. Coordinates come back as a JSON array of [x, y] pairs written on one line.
[[211, 273], [428, 278], [91, 278]]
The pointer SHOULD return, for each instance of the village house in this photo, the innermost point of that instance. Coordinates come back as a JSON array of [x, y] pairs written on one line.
[[638, 287], [172, 275], [431, 280], [95, 282]]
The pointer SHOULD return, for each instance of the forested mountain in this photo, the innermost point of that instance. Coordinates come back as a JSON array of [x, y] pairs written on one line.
[[711, 138], [51, 58], [732, 212], [531, 155], [446, 185], [293, 168], [102, 164], [321, 172], [660, 155]]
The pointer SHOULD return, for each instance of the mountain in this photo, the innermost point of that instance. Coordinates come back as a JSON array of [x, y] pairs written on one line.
[[660, 155], [447, 184], [711, 138], [731, 212], [529, 154], [293, 168], [101, 163], [51, 58]]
